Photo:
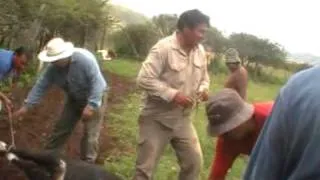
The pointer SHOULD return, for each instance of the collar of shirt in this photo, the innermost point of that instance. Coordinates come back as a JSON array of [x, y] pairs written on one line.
[[176, 45]]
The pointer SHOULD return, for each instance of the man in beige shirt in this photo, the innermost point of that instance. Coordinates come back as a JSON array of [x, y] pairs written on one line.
[[238, 79], [174, 77]]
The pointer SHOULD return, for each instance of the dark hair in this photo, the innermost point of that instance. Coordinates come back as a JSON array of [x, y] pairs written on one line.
[[20, 51], [192, 18], [23, 51]]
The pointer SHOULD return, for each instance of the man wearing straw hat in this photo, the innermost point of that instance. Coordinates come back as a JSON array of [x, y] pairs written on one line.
[[237, 125], [12, 64], [77, 72], [238, 79]]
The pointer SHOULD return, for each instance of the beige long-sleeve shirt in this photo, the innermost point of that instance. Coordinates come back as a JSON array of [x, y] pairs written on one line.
[[168, 69]]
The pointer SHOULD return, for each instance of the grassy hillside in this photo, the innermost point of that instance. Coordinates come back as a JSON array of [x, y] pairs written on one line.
[[123, 124], [128, 16]]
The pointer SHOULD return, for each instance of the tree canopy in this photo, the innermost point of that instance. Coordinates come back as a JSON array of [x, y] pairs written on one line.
[[254, 49], [32, 23], [137, 39]]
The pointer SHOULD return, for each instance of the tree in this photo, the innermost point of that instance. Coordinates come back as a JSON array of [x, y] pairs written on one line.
[[37, 21], [253, 49], [135, 40], [215, 39], [165, 24]]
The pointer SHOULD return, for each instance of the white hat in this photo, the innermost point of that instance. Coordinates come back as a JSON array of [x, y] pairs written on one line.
[[55, 50]]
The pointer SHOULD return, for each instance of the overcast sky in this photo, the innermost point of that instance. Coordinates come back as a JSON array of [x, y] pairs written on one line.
[[292, 23]]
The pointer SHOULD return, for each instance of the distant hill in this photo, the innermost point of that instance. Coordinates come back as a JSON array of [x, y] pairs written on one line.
[[304, 58], [128, 16]]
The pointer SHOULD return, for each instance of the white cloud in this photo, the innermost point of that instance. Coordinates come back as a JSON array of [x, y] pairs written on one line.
[[292, 23]]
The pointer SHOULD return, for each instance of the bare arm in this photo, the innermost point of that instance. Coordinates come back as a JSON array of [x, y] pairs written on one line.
[[230, 82], [3, 97], [242, 83]]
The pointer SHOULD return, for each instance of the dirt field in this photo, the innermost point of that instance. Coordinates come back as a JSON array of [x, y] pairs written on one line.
[[32, 130]]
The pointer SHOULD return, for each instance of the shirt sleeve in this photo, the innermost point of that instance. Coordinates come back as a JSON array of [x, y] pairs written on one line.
[[268, 156], [97, 83], [42, 84], [149, 76], [223, 160]]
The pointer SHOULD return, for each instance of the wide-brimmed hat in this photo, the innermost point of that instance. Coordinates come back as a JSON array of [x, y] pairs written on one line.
[[232, 56], [55, 50], [227, 110]]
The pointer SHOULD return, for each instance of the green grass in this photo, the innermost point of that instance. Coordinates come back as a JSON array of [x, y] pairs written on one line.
[[122, 67], [123, 125]]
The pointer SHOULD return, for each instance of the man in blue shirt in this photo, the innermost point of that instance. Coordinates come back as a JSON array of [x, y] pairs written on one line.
[[11, 63], [77, 72], [288, 146]]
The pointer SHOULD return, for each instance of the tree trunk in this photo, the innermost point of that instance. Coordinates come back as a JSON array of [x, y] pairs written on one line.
[[134, 49], [256, 69], [33, 32], [102, 41], [83, 36], [2, 41]]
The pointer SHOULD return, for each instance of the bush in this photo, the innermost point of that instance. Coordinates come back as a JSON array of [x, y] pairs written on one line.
[[218, 65], [135, 40]]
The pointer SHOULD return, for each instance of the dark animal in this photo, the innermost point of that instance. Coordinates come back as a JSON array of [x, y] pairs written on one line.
[[112, 54], [47, 165]]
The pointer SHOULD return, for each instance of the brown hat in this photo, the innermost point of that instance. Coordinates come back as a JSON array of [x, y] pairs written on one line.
[[226, 110]]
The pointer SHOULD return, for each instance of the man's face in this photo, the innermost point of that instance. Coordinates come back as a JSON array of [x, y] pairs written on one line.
[[239, 132], [20, 61], [194, 36], [233, 66], [61, 62]]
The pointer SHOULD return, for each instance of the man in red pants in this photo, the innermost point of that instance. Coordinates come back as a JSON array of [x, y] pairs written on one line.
[[237, 125]]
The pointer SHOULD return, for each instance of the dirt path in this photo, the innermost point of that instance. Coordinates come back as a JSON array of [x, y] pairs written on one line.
[[32, 131]]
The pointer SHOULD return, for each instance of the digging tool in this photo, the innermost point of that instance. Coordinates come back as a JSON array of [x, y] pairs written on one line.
[[11, 130]]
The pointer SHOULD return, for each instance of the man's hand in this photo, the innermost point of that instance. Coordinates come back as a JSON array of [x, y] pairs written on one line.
[[87, 113], [21, 112], [8, 104], [6, 101], [203, 96], [182, 100]]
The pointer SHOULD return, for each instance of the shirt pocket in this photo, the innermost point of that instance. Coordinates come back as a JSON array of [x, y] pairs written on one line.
[[198, 67], [177, 61], [174, 74]]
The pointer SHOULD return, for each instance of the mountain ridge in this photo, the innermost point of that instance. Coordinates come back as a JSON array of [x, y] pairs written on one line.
[[127, 15], [308, 58]]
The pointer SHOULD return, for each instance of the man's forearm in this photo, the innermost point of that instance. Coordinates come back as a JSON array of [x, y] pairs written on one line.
[[37, 92], [95, 99], [156, 87], [98, 88], [2, 96]]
